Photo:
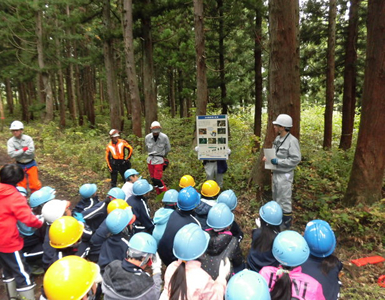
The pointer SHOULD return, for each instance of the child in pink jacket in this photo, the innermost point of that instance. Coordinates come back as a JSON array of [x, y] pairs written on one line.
[[287, 281], [184, 278]]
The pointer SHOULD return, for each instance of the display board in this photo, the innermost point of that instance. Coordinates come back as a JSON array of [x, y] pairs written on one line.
[[212, 137]]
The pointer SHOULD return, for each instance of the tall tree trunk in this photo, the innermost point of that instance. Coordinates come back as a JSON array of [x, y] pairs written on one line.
[[284, 95], [366, 177], [60, 84], [150, 103], [258, 77], [130, 68], [8, 91], [23, 101], [171, 91], [181, 97], [202, 91], [349, 97], [109, 62], [330, 70], [71, 95], [221, 50], [44, 73]]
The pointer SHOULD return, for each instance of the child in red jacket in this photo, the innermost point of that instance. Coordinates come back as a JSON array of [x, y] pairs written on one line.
[[13, 208]]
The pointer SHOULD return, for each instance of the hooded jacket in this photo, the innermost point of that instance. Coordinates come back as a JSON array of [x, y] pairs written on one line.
[[160, 219], [14, 207]]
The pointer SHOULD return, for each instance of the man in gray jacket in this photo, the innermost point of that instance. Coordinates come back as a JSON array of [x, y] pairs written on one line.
[[22, 149], [157, 146], [288, 157]]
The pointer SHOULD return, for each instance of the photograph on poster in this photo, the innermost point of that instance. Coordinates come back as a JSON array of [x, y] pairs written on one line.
[[202, 131], [221, 130], [212, 141], [202, 141], [221, 123], [222, 141], [213, 133]]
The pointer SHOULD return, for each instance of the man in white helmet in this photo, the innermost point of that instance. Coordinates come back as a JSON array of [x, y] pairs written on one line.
[[22, 149], [288, 157], [157, 146]]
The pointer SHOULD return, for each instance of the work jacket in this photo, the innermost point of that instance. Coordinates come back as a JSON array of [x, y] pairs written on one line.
[[116, 151], [15, 149]]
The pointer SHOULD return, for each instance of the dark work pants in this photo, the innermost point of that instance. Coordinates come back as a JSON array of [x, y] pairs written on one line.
[[14, 266], [119, 166]]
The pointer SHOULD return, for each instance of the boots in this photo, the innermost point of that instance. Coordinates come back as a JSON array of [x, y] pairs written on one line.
[[10, 287], [286, 221], [27, 294]]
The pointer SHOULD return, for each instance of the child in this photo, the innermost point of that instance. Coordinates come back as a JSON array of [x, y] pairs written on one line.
[[131, 176], [287, 281], [119, 223], [260, 254], [186, 180], [247, 285], [127, 279], [222, 244], [89, 198], [188, 199], [161, 216], [230, 199], [209, 192], [138, 202], [322, 265], [185, 279]]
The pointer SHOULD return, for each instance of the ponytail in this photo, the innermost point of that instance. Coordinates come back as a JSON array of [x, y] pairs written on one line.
[[282, 287], [328, 263], [178, 285], [264, 242]]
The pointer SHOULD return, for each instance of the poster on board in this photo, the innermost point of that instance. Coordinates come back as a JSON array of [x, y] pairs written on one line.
[[212, 137]]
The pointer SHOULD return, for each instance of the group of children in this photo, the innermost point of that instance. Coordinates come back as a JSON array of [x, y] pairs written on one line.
[[109, 248]]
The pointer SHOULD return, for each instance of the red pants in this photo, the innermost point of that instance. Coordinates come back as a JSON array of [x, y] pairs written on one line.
[[33, 179], [156, 173]]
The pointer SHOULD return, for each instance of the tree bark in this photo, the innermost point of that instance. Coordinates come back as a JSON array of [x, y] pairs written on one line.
[[258, 78], [330, 70], [349, 96], [23, 101], [202, 91], [44, 73], [366, 177], [171, 91], [221, 50], [8, 91], [284, 80], [150, 102], [109, 62], [71, 96], [61, 97], [130, 68]]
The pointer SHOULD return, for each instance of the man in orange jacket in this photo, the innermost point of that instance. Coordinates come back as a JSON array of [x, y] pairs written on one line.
[[117, 160]]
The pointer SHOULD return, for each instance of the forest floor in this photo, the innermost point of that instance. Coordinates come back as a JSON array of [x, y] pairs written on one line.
[[358, 282]]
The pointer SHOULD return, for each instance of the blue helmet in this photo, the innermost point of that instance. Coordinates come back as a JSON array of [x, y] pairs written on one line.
[[220, 216], [87, 190], [190, 242], [22, 191], [271, 213], [320, 238], [48, 189], [24, 229], [118, 219], [228, 197], [130, 172], [247, 285], [143, 242], [290, 248], [188, 198], [141, 187], [116, 193], [170, 196], [40, 197]]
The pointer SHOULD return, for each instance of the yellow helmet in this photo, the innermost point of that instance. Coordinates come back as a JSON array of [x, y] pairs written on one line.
[[65, 232], [116, 203], [186, 180], [210, 188], [69, 278]]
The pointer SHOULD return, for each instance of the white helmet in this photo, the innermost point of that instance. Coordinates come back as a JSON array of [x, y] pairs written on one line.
[[16, 125], [114, 133], [284, 121], [155, 124], [54, 210]]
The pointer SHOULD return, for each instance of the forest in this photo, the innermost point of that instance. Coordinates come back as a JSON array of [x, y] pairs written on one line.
[[72, 70]]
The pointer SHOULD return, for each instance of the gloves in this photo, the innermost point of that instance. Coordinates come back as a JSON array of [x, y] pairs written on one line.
[[156, 264], [78, 216], [224, 268], [274, 161], [25, 149]]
